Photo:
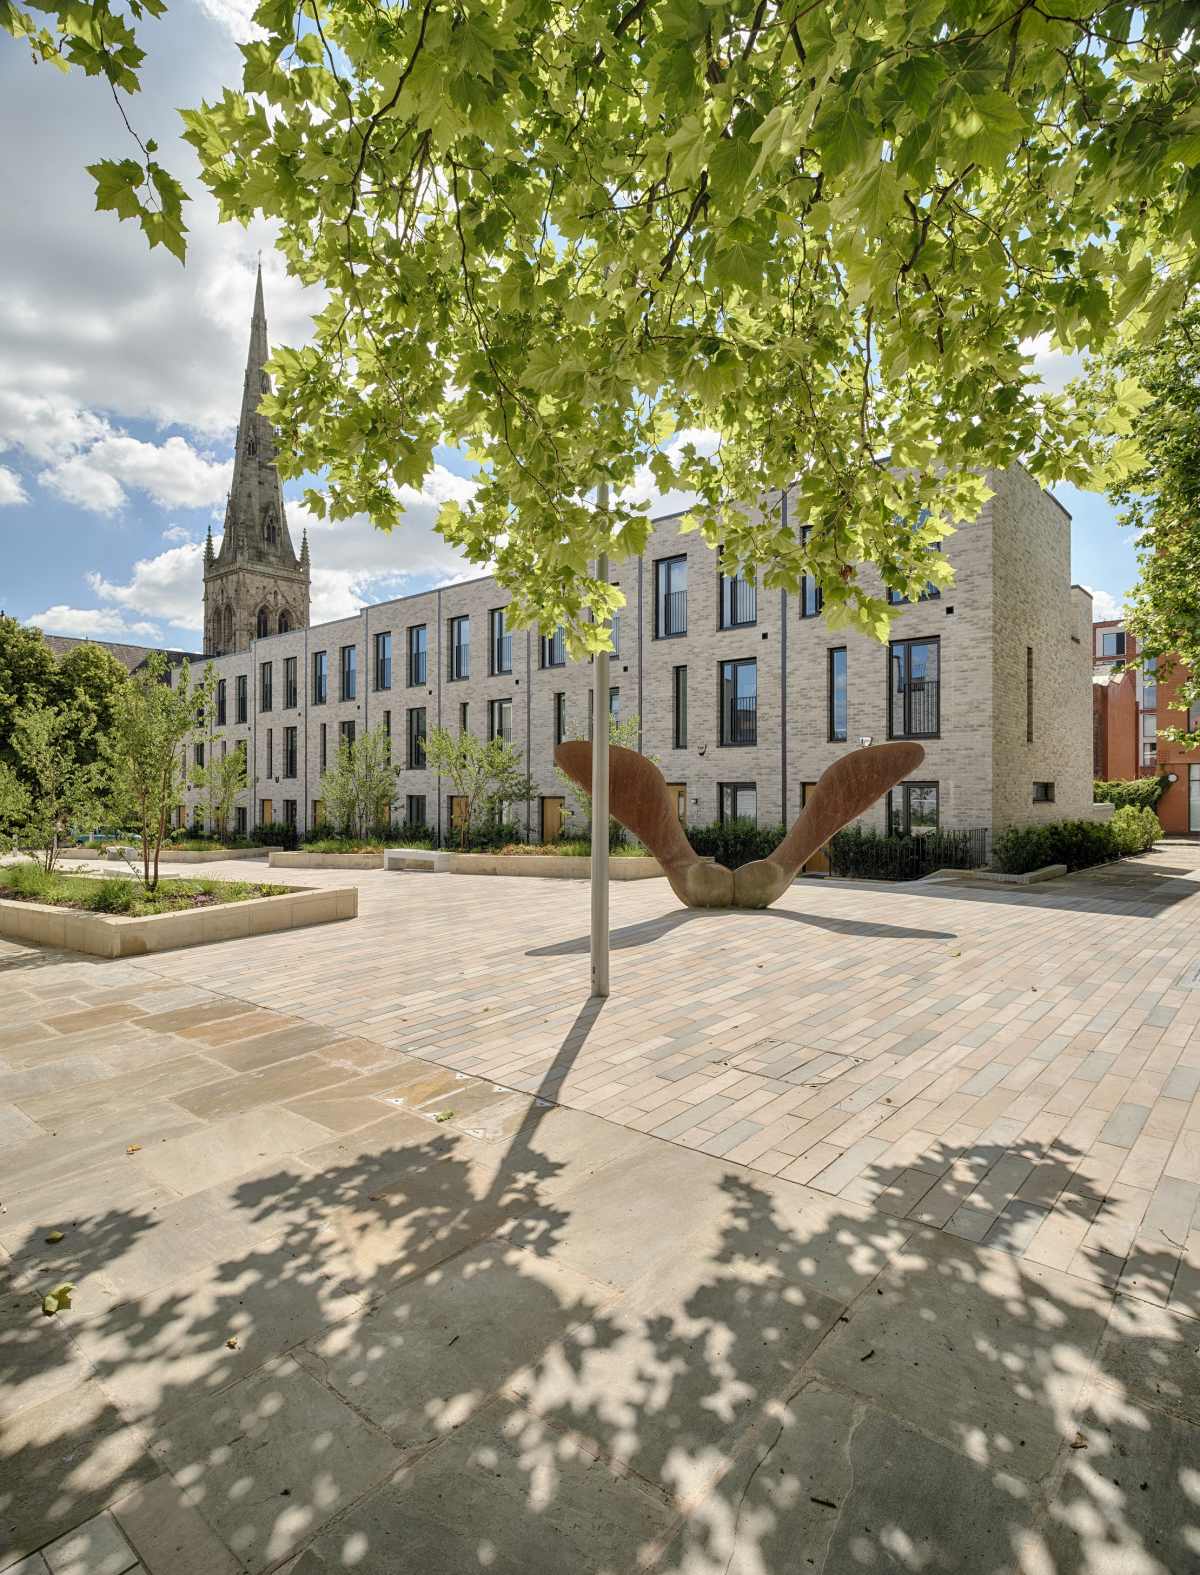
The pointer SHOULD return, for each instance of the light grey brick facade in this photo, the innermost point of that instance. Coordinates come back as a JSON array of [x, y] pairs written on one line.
[[1010, 632]]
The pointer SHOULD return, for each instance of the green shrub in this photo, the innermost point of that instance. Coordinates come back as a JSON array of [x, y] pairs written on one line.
[[276, 834], [1138, 793], [1136, 829], [27, 879], [1021, 849], [863, 854], [115, 894], [735, 842], [1076, 843]]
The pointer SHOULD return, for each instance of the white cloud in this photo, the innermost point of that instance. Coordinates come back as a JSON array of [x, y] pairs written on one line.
[[11, 490], [47, 427], [236, 17], [169, 586], [1104, 604], [1053, 368], [97, 623], [80, 483], [173, 474]]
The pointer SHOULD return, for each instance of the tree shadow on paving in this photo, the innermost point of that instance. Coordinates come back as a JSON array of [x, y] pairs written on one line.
[[583, 1351], [646, 931]]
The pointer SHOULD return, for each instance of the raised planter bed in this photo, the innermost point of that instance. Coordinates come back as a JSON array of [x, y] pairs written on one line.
[[1029, 878], [281, 860], [550, 866], [112, 935]]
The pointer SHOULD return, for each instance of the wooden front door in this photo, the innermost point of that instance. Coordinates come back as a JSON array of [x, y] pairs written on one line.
[[553, 810], [458, 814], [819, 863], [678, 790], [266, 812]]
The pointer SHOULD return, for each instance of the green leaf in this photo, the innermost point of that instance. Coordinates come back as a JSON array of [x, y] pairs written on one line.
[[58, 1300]]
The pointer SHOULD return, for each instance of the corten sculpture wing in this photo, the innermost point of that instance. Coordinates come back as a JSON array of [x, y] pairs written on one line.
[[639, 799]]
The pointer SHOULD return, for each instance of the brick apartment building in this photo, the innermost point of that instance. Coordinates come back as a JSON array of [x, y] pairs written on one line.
[[744, 695]]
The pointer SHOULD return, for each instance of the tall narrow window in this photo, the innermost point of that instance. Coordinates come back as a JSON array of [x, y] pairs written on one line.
[[812, 597], [616, 632], [914, 692], [837, 695], [349, 669], [670, 598], [289, 683], [554, 649], [383, 660], [414, 809], [416, 738], [387, 723], [499, 643], [264, 686], [289, 751], [560, 716], [418, 647], [320, 677], [464, 717], [270, 754], [738, 801], [324, 748], [1029, 694], [199, 756], [679, 707], [500, 719], [614, 703], [739, 702], [241, 698], [221, 690], [460, 648], [345, 735], [739, 599], [912, 809]]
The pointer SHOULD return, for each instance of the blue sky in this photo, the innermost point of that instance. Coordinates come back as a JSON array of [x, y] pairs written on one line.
[[120, 376]]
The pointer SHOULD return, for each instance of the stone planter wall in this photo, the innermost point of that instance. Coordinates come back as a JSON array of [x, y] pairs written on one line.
[[279, 860], [113, 935], [551, 866]]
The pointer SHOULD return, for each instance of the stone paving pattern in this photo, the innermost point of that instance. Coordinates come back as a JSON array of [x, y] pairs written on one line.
[[856, 1234]]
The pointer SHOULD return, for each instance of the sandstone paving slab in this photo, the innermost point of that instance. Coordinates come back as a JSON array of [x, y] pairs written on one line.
[[171, 1538], [63, 1461], [427, 1355], [73, 1094], [16, 1127], [223, 1149], [99, 1200], [230, 1096], [37, 1358], [504, 1494], [986, 1352], [95, 1548], [833, 1484], [267, 1462], [43, 1160], [251, 1055]]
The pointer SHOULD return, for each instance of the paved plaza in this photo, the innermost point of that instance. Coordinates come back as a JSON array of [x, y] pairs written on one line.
[[856, 1235]]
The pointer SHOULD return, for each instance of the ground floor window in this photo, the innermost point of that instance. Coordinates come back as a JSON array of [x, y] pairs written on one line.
[[913, 809], [739, 801], [289, 812], [1194, 798], [414, 809], [239, 820], [678, 792]]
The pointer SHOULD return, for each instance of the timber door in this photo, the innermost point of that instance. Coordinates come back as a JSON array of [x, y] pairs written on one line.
[[458, 814], [552, 818], [678, 791], [819, 863]]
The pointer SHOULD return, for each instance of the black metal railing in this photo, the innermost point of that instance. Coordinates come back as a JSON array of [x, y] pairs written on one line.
[[672, 613], [917, 711], [417, 668], [869, 855], [502, 654], [741, 720], [739, 603], [460, 661]]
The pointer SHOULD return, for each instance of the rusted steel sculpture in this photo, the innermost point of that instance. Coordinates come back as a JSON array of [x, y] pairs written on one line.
[[639, 799]]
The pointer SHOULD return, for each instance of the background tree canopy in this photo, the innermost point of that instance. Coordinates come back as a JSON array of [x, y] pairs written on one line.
[[557, 234]]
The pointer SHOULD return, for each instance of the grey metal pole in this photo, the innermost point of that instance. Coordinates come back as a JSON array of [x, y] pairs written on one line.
[[599, 870]]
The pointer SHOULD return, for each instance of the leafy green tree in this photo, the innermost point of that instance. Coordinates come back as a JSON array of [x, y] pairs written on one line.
[[87, 682], [1157, 489], [220, 779], [357, 791], [155, 713], [27, 678], [54, 787], [486, 774]]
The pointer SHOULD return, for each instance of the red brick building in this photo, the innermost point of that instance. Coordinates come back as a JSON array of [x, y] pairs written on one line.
[[1115, 725], [1179, 808]]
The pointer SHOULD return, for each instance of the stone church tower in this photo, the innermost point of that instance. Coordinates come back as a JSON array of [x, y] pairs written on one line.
[[255, 585]]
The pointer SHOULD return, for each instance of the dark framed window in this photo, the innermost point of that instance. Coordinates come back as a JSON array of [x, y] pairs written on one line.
[[738, 600], [289, 812], [290, 697], [383, 660], [345, 735], [221, 702], [464, 717], [289, 751], [460, 648], [738, 801], [554, 648], [614, 703], [270, 753], [387, 723], [670, 598], [414, 809], [914, 689], [241, 699], [1029, 694], [265, 674], [679, 707], [837, 695], [324, 748], [1112, 642], [560, 716], [1043, 792], [415, 756], [931, 591], [418, 649], [349, 672], [499, 643], [500, 719], [812, 597], [262, 624], [239, 820], [912, 809], [320, 677], [739, 702], [199, 755]]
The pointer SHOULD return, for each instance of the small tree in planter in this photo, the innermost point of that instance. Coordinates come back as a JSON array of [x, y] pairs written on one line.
[[221, 781], [55, 785], [487, 776], [357, 791], [623, 731], [151, 723]]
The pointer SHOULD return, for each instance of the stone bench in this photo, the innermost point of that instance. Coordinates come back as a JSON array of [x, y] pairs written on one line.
[[429, 861]]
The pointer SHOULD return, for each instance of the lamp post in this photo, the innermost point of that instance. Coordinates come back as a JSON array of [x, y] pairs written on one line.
[[599, 871]]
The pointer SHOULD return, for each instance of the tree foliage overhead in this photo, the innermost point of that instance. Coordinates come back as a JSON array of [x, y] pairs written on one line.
[[1159, 497]]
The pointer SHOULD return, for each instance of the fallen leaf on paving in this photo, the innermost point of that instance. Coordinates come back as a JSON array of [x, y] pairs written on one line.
[[232, 1342], [55, 1235], [132, 1148], [57, 1300], [443, 1115], [1079, 1442]]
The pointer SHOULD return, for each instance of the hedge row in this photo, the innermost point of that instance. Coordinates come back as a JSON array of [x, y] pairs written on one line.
[[1075, 843], [863, 854], [1141, 792], [735, 842]]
